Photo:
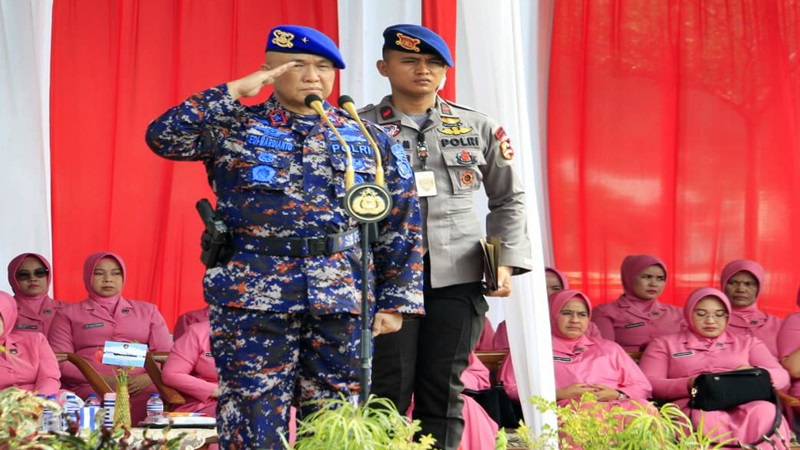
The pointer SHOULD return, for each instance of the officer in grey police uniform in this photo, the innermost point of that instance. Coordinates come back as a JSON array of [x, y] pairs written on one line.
[[454, 151], [285, 307]]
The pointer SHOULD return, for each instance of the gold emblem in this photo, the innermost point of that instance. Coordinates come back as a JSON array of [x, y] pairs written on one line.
[[426, 184], [453, 126], [407, 42], [368, 202], [283, 39]]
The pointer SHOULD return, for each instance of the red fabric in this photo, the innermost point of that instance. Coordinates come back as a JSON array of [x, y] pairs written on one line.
[[673, 130], [109, 191], [440, 16]]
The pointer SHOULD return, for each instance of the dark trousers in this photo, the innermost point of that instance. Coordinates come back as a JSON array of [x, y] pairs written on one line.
[[427, 356]]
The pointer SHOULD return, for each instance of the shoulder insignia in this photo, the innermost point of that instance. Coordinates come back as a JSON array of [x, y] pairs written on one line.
[[386, 112], [505, 144]]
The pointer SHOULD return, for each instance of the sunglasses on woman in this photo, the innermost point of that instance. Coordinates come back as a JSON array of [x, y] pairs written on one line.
[[24, 275]]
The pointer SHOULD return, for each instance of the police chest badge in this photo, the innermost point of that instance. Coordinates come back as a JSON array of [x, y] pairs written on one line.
[[367, 202]]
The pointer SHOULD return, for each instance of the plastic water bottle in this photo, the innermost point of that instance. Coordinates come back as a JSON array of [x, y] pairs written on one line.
[[109, 403], [46, 417], [52, 421], [71, 412], [89, 412], [155, 408]]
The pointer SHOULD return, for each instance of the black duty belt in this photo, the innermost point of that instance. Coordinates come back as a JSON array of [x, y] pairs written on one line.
[[289, 246]]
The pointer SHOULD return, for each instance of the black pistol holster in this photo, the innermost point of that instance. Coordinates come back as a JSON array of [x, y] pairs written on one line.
[[216, 240]]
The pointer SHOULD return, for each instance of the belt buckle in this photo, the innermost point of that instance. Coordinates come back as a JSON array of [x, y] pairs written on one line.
[[317, 246]]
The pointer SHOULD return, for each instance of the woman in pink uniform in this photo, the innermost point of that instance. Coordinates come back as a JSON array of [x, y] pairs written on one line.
[[636, 317], [29, 275], [84, 327], [28, 362], [789, 351], [480, 431], [673, 362], [188, 318], [191, 370], [742, 281]]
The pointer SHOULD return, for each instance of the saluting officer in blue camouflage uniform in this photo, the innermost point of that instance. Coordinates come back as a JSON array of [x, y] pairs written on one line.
[[285, 308], [454, 151]]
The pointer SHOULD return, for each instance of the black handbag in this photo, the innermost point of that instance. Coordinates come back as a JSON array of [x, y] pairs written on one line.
[[724, 390], [497, 404]]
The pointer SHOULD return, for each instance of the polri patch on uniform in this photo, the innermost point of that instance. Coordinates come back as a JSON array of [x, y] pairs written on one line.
[[634, 325], [506, 151], [562, 358], [267, 157], [264, 174], [26, 326], [465, 158], [391, 129], [467, 178], [94, 325], [453, 126], [682, 354], [404, 169], [399, 152]]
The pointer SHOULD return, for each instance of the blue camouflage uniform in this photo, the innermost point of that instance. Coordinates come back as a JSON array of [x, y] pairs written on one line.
[[286, 328]]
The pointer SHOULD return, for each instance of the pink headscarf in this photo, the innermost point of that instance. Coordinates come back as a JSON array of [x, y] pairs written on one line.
[[557, 301], [8, 311], [107, 303], [561, 276], [694, 299], [744, 316], [632, 267], [13, 267]]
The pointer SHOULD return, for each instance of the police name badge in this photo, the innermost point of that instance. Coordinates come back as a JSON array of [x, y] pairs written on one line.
[[426, 183]]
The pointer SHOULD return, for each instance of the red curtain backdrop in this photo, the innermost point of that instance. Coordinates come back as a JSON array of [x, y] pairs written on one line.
[[673, 130], [116, 65], [440, 16]]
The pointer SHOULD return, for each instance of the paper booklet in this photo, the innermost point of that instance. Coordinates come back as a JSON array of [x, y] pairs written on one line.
[[491, 260]]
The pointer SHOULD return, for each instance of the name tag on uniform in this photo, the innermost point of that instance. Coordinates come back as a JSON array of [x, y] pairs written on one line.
[[426, 183], [94, 325], [562, 358], [682, 354], [27, 327], [634, 325]]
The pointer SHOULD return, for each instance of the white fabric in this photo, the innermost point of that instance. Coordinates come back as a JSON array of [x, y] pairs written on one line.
[[25, 30], [493, 77]]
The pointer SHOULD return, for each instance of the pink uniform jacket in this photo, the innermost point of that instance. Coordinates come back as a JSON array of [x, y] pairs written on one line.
[[788, 343], [480, 431], [28, 361], [84, 327], [486, 341], [35, 313], [670, 361], [188, 318], [190, 369]]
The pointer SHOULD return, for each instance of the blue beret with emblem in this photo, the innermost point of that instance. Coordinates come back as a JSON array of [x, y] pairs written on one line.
[[300, 39], [416, 39]]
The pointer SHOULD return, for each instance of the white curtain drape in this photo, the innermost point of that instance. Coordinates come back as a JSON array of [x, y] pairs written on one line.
[[24, 128]]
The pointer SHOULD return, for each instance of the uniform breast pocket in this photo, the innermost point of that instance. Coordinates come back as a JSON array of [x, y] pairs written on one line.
[[265, 171], [462, 167], [364, 167]]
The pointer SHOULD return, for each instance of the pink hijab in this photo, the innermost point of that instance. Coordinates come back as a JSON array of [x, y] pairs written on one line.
[[8, 311], [632, 267], [561, 276], [694, 299], [13, 267], [557, 301], [744, 316], [107, 303]]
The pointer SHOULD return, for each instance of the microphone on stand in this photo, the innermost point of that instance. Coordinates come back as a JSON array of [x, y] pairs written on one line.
[[346, 103], [313, 101]]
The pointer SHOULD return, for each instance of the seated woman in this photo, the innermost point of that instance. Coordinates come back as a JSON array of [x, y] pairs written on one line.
[[741, 281], [190, 369], [29, 277], [789, 351], [673, 362], [188, 318], [480, 431], [84, 327], [583, 363], [27, 362], [637, 316]]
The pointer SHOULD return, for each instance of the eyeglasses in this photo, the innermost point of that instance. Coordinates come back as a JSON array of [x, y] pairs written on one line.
[[25, 275], [701, 314]]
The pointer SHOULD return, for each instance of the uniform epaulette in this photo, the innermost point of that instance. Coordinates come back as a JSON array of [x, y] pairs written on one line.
[[459, 106], [364, 108]]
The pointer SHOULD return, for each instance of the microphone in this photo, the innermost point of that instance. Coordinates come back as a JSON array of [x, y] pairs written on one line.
[[313, 101], [346, 103]]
